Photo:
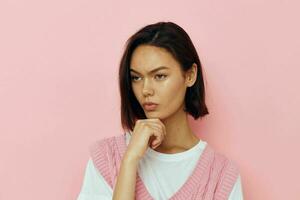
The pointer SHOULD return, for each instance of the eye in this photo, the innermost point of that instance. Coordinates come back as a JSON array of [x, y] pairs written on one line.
[[161, 75], [133, 77]]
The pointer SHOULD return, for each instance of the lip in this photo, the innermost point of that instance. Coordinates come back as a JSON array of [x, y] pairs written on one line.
[[150, 106]]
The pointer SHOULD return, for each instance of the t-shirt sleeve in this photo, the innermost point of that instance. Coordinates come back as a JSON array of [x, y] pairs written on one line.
[[237, 190], [94, 185]]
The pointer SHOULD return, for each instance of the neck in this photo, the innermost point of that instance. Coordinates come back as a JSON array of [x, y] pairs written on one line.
[[179, 136]]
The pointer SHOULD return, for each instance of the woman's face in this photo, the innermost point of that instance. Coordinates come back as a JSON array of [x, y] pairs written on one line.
[[156, 77]]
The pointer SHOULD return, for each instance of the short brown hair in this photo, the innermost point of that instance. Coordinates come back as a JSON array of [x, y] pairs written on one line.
[[175, 40]]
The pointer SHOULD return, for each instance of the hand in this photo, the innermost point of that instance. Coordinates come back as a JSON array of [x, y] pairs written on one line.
[[146, 132]]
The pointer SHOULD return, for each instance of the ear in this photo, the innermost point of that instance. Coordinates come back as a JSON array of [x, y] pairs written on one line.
[[191, 75]]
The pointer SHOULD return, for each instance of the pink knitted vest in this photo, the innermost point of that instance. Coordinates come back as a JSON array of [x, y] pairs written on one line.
[[212, 179]]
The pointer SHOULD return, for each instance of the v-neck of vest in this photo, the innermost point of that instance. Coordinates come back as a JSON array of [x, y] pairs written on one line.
[[190, 185]]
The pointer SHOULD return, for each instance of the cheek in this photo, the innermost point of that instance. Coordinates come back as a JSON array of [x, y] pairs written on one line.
[[172, 91], [136, 92]]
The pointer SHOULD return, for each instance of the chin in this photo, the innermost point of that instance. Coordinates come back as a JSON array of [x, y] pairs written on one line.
[[151, 114]]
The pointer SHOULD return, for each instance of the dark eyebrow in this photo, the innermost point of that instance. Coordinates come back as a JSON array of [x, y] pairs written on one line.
[[154, 70]]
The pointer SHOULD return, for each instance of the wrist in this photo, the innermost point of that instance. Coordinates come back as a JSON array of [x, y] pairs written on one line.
[[128, 158]]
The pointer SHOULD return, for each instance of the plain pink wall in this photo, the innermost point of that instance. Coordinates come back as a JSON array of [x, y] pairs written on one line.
[[59, 88]]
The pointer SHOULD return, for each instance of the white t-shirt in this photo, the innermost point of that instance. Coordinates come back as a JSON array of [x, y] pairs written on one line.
[[158, 171]]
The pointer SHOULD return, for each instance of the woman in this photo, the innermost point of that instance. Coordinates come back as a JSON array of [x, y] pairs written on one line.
[[159, 157]]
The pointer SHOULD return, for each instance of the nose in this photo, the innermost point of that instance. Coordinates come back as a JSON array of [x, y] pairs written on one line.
[[147, 89]]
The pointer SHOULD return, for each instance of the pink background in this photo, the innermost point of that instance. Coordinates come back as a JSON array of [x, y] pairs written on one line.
[[59, 88]]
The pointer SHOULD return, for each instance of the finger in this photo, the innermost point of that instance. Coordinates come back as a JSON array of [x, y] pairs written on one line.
[[159, 123], [157, 133], [156, 125], [158, 137], [157, 120], [156, 145]]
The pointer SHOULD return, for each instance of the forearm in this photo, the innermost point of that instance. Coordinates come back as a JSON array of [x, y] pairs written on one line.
[[126, 180]]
